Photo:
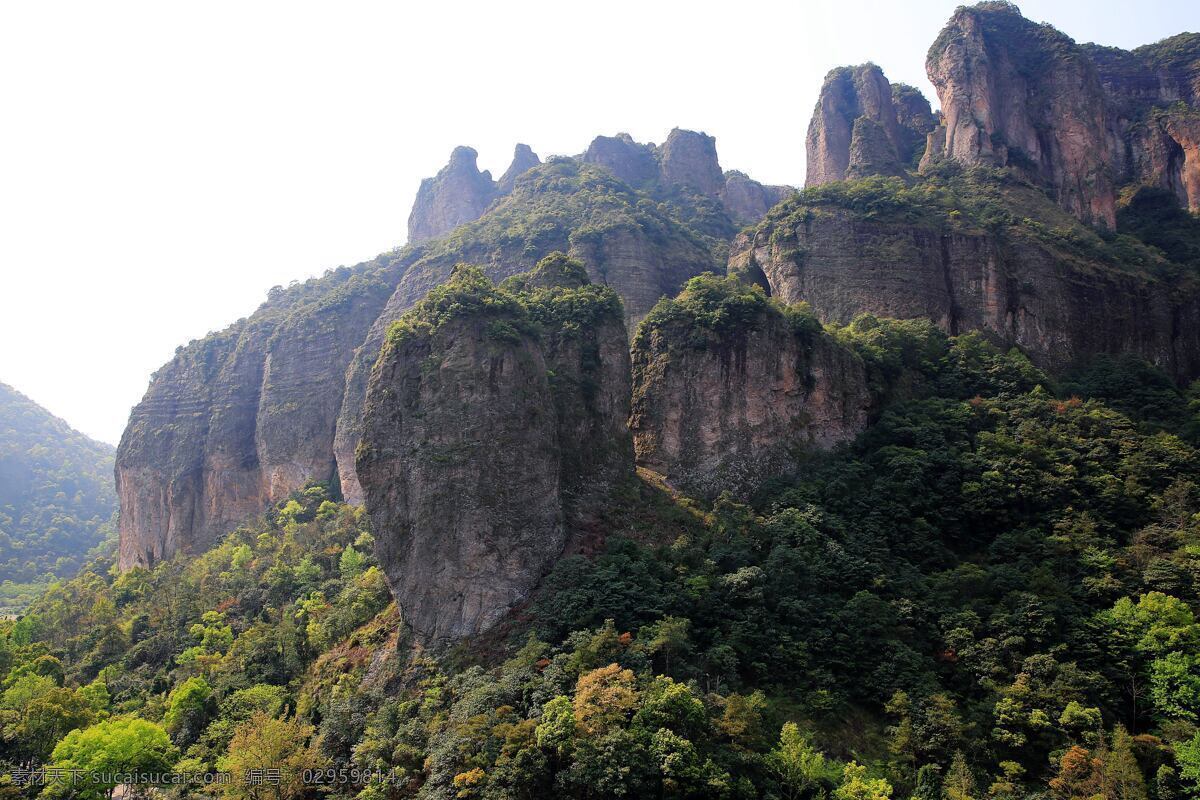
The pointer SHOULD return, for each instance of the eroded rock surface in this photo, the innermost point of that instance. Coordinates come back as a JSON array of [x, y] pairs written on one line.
[[1014, 93], [1023, 290], [458, 193], [490, 414], [726, 405]]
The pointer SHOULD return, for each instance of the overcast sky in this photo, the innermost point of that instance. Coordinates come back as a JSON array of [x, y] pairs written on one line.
[[163, 164]]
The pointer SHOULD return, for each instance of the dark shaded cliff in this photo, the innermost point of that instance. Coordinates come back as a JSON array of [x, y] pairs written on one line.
[[490, 413]]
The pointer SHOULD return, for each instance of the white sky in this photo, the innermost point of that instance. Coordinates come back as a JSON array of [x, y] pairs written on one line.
[[163, 164]]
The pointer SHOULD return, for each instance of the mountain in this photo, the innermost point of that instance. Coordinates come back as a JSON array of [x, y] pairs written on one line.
[[238, 420], [632, 477], [56, 494]]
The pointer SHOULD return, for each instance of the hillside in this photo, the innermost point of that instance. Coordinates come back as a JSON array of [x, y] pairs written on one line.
[[56, 497], [973, 591]]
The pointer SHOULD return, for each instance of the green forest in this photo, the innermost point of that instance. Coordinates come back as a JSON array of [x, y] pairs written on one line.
[[989, 594], [57, 499]]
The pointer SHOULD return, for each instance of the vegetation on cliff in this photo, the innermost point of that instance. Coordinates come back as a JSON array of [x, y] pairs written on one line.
[[999, 201]]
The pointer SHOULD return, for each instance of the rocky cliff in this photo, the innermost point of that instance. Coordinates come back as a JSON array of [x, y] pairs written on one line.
[[855, 129], [490, 412], [978, 250], [730, 388], [686, 162], [1153, 91], [628, 245], [1014, 93], [239, 419], [524, 159], [243, 417], [1080, 121], [458, 193]]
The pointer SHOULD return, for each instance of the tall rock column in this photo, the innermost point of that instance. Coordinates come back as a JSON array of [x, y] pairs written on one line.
[[1014, 93], [492, 414]]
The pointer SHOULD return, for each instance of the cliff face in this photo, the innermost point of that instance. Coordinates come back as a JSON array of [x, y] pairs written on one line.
[[725, 405], [561, 206], [489, 413], [1153, 91], [689, 159], [236, 421], [1057, 297], [1018, 94], [459, 193], [854, 130], [629, 161], [747, 200]]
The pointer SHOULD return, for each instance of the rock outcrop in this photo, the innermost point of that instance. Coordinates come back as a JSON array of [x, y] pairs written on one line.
[[563, 205], [689, 159], [1153, 91], [490, 413], [686, 161], [730, 388], [1014, 93], [241, 418], [1060, 297], [524, 159], [629, 161], [746, 200], [863, 125], [459, 193], [854, 130]]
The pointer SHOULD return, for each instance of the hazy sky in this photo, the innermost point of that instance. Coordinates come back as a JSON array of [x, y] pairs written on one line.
[[163, 164]]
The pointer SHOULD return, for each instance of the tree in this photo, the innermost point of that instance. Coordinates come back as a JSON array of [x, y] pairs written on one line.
[[929, 783], [37, 713], [1187, 754], [801, 770], [857, 786], [1175, 685], [266, 743], [960, 781], [604, 697], [666, 637], [351, 563], [1156, 624], [1123, 779], [1079, 775], [188, 710], [112, 747]]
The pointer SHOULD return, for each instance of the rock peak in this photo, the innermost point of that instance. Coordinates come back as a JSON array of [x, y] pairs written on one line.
[[855, 129], [1022, 95], [627, 160], [458, 193], [524, 159], [689, 158]]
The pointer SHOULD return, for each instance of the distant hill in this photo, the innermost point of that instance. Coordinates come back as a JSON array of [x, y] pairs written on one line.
[[57, 497]]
